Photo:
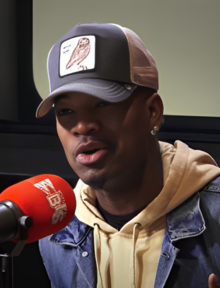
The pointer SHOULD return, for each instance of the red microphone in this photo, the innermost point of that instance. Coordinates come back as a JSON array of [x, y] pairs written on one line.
[[48, 199]]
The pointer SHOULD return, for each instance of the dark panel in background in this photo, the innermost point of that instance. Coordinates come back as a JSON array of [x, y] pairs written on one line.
[[201, 133], [30, 146], [33, 154], [8, 60]]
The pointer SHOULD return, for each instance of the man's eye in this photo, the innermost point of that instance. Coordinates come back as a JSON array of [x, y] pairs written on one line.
[[65, 111], [102, 104]]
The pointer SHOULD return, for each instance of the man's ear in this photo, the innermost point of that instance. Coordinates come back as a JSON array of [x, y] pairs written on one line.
[[155, 108]]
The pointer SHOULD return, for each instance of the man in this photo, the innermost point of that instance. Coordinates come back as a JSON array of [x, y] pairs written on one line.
[[147, 212]]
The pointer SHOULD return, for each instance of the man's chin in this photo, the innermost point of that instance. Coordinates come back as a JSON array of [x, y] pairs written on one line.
[[95, 183], [95, 180]]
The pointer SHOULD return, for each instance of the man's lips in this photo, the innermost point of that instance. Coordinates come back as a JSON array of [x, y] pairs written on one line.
[[91, 152], [91, 158]]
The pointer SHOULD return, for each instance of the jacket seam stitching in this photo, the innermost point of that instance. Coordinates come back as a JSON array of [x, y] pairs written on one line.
[[72, 244], [189, 236]]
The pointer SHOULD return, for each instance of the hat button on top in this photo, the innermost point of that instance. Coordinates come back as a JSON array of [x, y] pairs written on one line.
[[85, 254]]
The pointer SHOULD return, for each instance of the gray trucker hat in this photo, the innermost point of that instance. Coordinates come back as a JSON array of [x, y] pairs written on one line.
[[104, 60]]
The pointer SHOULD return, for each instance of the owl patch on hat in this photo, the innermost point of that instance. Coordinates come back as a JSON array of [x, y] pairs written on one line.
[[77, 54]]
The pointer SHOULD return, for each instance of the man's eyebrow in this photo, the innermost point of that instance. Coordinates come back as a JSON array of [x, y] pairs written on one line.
[[58, 98]]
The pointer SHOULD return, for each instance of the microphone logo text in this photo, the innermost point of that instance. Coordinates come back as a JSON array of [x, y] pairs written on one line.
[[54, 198]]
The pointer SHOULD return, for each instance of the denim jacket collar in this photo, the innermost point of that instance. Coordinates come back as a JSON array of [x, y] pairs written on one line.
[[184, 221], [73, 234]]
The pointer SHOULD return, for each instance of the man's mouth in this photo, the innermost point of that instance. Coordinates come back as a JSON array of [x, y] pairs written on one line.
[[91, 153]]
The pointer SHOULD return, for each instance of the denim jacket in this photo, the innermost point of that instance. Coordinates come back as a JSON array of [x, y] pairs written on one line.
[[190, 250]]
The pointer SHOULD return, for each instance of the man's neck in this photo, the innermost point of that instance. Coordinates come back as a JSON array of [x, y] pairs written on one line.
[[134, 194], [116, 221]]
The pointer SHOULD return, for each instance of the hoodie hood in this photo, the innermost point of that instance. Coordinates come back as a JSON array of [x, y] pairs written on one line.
[[185, 172]]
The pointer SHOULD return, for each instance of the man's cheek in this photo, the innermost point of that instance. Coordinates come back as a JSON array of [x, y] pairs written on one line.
[[69, 155]]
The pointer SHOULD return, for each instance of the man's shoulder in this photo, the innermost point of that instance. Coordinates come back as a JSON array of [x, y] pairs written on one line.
[[192, 216], [71, 235], [212, 186], [209, 196]]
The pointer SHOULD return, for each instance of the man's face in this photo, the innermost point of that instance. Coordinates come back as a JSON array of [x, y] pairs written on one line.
[[105, 143]]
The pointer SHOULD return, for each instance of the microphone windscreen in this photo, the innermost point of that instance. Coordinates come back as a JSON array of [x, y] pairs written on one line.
[[48, 199]]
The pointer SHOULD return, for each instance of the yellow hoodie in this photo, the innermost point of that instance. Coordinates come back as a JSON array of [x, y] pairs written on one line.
[[129, 257]]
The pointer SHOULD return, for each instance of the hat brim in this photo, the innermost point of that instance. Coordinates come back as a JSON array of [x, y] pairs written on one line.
[[103, 89]]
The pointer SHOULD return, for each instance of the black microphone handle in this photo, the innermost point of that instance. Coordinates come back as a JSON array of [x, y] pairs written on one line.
[[10, 213]]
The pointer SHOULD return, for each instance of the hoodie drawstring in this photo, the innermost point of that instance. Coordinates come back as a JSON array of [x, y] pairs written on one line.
[[98, 257], [133, 256], [98, 249]]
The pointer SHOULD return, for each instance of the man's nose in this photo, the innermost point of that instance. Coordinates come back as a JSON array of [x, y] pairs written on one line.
[[86, 126]]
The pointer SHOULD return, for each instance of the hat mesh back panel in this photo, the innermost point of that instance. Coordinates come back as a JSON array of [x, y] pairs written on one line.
[[142, 64]]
